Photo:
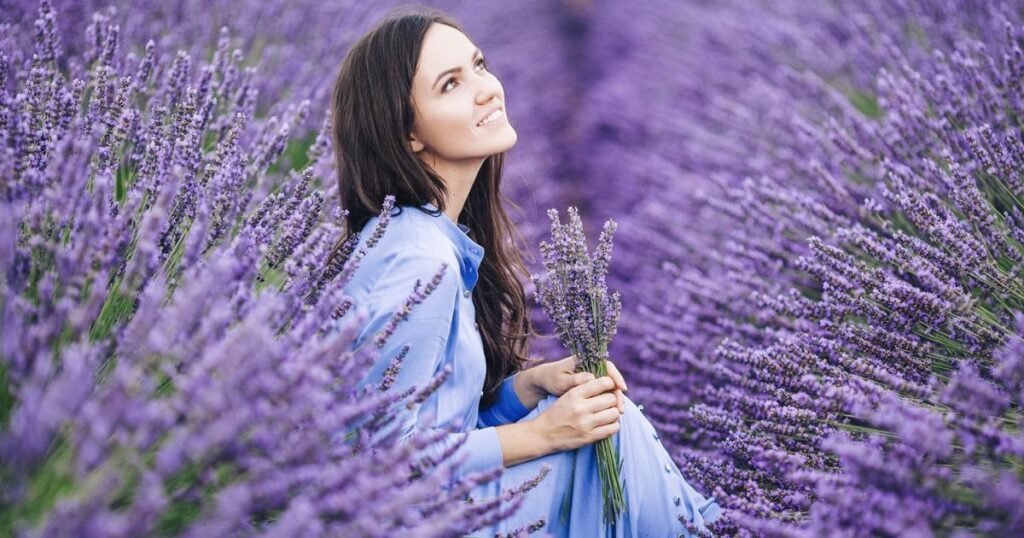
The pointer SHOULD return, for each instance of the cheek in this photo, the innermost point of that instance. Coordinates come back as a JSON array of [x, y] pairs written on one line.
[[448, 122]]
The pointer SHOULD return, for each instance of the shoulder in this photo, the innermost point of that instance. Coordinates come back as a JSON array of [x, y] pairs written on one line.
[[412, 248], [416, 282], [409, 234]]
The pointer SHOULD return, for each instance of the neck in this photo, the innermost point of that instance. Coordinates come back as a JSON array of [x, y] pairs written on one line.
[[458, 178]]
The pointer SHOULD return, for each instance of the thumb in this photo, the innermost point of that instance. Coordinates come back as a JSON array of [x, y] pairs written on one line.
[[583, 377]]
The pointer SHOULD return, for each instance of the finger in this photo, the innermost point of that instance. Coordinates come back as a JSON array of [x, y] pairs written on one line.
[[605, 417], [616, 375], [571, 381], [595, 386], [608, 430], [582, 377], [601, 402], [619, 402]]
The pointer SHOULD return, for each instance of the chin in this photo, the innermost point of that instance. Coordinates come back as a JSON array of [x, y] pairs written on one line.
[[495, 147], [485, 147], [509, 140]]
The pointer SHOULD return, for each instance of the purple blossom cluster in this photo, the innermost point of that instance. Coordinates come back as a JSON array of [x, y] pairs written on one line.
[[573, 292], [177, 350]]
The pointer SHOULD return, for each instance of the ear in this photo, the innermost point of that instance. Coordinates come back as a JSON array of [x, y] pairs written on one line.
[[415, 144]]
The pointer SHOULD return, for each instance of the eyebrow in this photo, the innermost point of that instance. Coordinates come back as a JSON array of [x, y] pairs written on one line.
[[476, 53]]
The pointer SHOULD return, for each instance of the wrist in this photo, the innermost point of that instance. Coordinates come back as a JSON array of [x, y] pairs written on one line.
[[541, 436], [522, 441], [529, 383], [525, 388]]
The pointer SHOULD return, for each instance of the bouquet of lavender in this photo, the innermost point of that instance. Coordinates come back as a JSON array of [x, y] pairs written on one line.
[[576, 299]]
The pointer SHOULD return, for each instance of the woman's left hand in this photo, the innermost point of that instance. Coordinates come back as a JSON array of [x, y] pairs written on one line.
[[557, 377]]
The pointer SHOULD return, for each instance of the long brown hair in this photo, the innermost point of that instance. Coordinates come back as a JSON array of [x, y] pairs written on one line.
[[373, 115]]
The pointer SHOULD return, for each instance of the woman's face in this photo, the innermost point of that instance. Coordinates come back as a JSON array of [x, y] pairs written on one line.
[[452, 93]]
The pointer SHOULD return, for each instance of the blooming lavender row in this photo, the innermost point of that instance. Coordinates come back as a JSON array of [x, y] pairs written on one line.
[[176, 355], [833, 265]]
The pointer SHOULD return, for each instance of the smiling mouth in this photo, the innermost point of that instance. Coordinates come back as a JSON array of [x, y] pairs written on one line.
[[492, 117]]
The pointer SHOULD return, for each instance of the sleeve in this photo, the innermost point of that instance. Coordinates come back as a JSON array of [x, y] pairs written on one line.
[[426, 331], [506, 409]]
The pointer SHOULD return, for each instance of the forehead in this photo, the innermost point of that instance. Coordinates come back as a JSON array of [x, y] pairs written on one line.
[[443, 47]]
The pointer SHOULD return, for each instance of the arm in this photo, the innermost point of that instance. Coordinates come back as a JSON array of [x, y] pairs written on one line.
[[521, 441], [527, 389], [517, 396], [572, 421], [426, 330]]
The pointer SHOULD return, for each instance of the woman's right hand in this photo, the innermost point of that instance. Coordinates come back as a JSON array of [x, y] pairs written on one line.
[[583, 415]]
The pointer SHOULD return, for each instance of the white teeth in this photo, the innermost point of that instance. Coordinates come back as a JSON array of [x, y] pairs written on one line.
[[490, 117]]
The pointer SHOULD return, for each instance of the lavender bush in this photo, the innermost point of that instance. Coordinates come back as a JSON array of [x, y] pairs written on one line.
[[175, 353], [840, 287]]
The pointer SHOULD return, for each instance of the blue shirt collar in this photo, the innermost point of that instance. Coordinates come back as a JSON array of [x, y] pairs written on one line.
[[470, 253]]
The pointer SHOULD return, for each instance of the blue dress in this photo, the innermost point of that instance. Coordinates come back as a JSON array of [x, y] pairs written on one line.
[[442, 331]]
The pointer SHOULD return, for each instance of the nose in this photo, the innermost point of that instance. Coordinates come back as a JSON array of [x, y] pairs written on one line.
[[488, 87]]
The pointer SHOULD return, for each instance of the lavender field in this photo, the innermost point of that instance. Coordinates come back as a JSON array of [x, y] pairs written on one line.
[[820, 253]]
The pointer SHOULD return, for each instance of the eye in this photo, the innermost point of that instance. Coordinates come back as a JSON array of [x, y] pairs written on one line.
[[447, 86]]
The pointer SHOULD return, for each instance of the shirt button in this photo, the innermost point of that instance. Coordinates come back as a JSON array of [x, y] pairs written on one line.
[[465, 293]]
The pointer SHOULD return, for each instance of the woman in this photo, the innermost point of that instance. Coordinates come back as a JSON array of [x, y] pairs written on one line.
[[419, 116]]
